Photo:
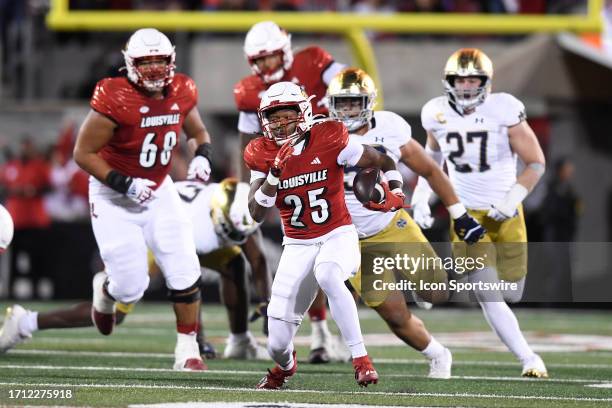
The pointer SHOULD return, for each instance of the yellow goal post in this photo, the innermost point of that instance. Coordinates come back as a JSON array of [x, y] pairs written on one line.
[[352, 26]]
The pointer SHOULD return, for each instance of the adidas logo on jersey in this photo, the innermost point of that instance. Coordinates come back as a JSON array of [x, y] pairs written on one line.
[[316, 161], [175, 106]]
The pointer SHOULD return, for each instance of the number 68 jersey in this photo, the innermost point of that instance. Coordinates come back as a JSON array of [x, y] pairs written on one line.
[[481, 164], [147, 129]]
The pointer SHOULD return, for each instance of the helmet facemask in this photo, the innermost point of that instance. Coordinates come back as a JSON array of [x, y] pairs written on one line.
[[284, 129], [352, 118], [144, 48], [466, 99]]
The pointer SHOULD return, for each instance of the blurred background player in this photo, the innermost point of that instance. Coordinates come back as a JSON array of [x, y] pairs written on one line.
[[126, 144], [297, 166], [352, 97], [224, 231], [267, 48], [480, 134]]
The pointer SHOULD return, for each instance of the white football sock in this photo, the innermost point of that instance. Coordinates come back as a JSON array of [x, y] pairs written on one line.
[[342, 306], [433, 349], [503, 322], [28, 324], [320, 333], [499, 316], [280, 341], [237, 337]]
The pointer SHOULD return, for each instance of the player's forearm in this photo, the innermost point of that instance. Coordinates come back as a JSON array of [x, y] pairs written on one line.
[[92, 163], [441, 185], [531, 175], [263, 197]]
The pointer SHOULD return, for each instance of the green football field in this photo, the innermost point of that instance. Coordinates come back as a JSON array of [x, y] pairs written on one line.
[[133, 366]]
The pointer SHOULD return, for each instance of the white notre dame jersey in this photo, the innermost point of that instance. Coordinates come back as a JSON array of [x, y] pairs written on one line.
[[481, 164], [388, 133], [196, 198]]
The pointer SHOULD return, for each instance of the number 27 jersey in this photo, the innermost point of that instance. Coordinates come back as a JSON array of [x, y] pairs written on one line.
[[481, 164]]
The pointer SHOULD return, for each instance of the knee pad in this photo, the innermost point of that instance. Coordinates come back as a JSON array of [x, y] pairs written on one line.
[[328, 274], [515, 296], [188, 295], [486, 275], [127, 292]]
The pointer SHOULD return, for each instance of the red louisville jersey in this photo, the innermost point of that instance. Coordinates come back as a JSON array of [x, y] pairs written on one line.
[[147, 129], [311, 189], [307, 70]]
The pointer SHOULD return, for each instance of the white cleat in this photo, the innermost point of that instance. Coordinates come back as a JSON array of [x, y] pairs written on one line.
[[534, 368], [440, 367], [9, 333], [187, 354], [245, 349]]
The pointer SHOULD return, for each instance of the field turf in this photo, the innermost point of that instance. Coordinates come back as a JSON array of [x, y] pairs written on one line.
[[133, 366]]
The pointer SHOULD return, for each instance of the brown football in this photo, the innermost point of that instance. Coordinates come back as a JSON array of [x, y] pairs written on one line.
[[366, 186]]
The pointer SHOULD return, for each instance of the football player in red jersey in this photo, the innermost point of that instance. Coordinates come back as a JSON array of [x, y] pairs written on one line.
[[267, 48], [298, 166], [126, 144]]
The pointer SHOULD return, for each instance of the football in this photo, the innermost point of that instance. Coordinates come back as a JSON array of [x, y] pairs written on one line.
[[366, 186], [6, 228]]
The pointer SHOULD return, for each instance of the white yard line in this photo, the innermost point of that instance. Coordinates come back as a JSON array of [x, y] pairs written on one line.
[[328, 392], [376, 360], [260, 372]]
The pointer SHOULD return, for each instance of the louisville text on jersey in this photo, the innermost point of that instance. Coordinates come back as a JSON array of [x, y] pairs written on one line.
[[161, 120], [303, 179]]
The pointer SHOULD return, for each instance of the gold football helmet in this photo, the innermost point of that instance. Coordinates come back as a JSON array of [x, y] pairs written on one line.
[[350, 85], [229, 211], [467, 62]]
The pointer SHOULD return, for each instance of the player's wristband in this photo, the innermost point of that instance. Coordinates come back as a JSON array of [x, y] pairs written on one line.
[[263, 199], [118, 182], [204, 150], [456, 210], [272, 179], [397, 191], [394, 175]]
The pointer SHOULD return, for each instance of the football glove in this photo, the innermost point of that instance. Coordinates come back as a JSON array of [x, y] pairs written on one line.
[[280, 161], [468, 229], [421, 214], [199, 169], [141, 191], [499, 213], [261, 310], [394, 200]]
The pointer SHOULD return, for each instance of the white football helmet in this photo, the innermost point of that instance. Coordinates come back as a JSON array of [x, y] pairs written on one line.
[[467, 62], [286, 95], [267, 38], [230, 211], [7, 229], [149, 43]]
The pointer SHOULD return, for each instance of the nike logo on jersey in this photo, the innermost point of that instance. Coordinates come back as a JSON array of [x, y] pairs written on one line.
[[303, 179], [161, 120], [316, 161], [175, 106]]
